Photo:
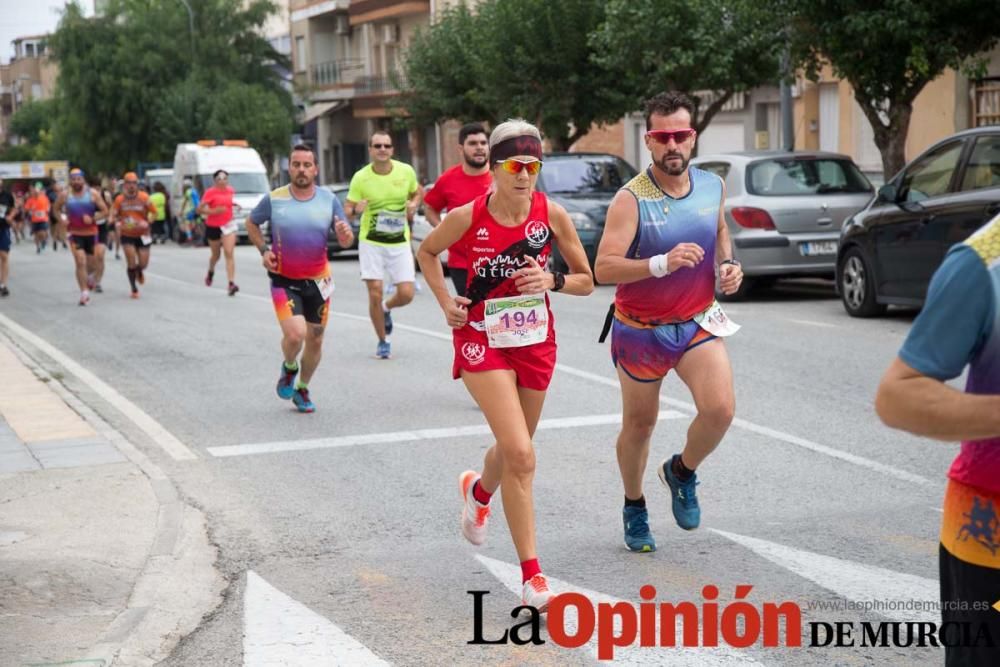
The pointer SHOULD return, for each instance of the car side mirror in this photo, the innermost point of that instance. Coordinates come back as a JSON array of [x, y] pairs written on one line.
[[888, 193]]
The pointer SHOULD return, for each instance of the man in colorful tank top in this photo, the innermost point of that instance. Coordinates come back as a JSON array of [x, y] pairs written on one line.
[[301, 215], [80, 205], [664, 239], [959, 327]]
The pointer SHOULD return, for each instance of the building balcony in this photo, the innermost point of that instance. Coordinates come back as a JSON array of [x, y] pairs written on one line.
[[381, 84], [336, 72], [367, 11], [301, 11]]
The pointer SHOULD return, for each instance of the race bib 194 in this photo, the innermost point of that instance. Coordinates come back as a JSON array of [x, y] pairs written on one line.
[[715, 321], [516, 321]]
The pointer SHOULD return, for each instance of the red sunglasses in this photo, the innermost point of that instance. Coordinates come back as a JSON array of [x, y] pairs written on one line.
[[664, 136]]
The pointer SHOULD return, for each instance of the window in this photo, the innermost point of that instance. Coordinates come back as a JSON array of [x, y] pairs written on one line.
[[720, 169], [784, 177], [592, 173], [931, 175], [983, 170], [300, 54]]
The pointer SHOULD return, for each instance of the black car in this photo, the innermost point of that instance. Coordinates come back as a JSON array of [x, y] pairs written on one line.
[[584, 184], [332, 244], [889, 250]]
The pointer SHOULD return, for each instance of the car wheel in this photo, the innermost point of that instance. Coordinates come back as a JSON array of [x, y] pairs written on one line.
[[857, 286]]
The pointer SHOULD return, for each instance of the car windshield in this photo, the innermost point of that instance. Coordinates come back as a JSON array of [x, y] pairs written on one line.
[[584, 174], [782, 177], [241, 182]]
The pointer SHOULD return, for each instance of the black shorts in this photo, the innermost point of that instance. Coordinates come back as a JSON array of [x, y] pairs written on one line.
[[963, 582], [213, 233], [459, 278], [39, 227], [102, 234], [84, 243], [135, 241], [298, 297], [4, 238]]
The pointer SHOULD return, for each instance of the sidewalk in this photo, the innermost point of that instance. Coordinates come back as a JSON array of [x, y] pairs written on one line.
[[100, 562]]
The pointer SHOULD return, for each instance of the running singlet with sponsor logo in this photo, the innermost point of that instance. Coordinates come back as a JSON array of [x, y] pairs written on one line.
[[215, 198], [299, 230], [663, 223], [958, 326], [78, 206], [132, 211], [383, 222], [452, 189], [496, 252]]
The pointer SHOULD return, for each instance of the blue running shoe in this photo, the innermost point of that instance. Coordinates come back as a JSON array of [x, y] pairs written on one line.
[[300, 397], [383, 351], [286, 382], [388, 322], [637, 535], [684, 501]]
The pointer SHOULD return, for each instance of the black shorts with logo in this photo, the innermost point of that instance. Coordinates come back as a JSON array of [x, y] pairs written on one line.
[[298, 297], [135, 241]]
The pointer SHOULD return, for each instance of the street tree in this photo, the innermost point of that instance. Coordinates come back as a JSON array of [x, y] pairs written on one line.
[[506, 58], [889, 51], [128, 94], [709, 50]]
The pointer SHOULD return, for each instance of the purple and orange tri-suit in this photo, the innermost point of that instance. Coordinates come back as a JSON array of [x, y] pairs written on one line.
[[653, 327], [495, 253]]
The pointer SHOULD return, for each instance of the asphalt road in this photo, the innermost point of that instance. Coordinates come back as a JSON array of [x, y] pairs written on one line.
[[808, 498]]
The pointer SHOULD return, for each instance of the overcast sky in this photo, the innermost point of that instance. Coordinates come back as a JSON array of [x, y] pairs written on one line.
[[20, 18]]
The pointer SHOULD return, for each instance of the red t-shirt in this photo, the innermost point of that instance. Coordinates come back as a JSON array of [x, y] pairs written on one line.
[[453, 189], [215, 198]]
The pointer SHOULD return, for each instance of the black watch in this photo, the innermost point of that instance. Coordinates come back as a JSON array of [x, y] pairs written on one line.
[[734, 262], [558, 280]]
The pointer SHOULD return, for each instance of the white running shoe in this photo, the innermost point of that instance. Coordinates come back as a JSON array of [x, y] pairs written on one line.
[[474, 515], [537, 594]]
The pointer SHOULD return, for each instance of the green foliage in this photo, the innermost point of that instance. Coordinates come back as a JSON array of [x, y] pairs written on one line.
[[528, 58], [707, 49], [131, 85], [890, 50], [31, 119]]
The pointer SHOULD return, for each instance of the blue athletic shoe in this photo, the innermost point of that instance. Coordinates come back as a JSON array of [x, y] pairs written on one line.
[[388, 322], [286, 382], [300, 397], [383, 351], [684, 501], [637, 535]]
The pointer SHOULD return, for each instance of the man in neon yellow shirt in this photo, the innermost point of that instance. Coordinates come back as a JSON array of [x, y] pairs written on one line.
[[385, 193], [159, 199]]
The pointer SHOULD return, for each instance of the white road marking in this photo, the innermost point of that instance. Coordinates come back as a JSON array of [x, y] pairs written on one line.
[[862, 584], [147, 424], [787, 438], [510, 576], [813, 323], [279, 631], [414, 435]]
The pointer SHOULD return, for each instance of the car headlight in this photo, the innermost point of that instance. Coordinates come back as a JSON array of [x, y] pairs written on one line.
[[582, 221]]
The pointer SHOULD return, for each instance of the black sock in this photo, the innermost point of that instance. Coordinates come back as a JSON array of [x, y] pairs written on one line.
[[639, 502], [131, 278], [681, 471]]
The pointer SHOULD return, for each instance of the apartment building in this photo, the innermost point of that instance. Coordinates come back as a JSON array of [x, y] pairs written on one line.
[[346, 59], [30, 75]]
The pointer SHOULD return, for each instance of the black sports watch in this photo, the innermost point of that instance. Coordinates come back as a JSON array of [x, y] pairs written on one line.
[[734, 262], [558, 280]]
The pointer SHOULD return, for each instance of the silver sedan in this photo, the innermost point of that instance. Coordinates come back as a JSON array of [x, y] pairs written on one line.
[[785, 209]]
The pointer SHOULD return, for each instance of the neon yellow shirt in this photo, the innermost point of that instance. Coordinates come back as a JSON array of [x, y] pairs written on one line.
[[160, 202], [383, 222]]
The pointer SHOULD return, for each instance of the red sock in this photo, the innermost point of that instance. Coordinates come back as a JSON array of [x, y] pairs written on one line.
[[479, 493], [530, 568]]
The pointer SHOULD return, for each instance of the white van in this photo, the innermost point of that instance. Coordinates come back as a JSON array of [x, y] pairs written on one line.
[[247, 175]]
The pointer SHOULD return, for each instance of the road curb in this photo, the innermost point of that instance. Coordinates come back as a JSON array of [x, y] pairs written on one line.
[[178, 584]]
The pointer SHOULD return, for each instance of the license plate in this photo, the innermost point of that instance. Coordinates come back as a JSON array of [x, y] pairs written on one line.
[[818, 248]]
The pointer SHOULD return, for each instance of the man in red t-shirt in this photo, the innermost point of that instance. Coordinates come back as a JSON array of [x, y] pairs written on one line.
[[37, 208], [458, 186]]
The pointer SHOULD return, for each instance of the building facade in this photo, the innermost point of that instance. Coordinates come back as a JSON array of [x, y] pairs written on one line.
[[29, 76]]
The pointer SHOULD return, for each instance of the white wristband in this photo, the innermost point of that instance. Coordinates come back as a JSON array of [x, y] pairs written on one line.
[[658, 266]]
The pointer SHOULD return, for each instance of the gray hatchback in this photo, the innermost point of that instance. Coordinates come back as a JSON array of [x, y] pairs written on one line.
[[785, 209]]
